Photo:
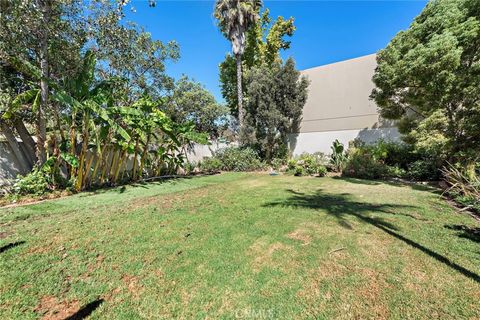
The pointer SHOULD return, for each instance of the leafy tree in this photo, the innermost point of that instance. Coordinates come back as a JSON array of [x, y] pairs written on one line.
[[32, 32], [276, 96], [126, 51], [264, 41], [428, 78], [191, 102], [235, 18], [35, 31]]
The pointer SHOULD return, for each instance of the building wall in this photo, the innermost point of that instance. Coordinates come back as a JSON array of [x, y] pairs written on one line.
[[339, 107]]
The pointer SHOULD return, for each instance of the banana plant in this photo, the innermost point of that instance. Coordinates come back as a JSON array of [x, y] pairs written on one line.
[[90, 103], [338, 156]]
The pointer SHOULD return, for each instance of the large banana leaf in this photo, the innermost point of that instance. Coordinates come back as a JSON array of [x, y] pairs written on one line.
[[29, 96]]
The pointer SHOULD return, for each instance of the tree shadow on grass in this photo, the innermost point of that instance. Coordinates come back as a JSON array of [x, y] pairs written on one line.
[[396, 183], [139, 184], [470, 233], [10, 246], [342, 206], [86, 310]]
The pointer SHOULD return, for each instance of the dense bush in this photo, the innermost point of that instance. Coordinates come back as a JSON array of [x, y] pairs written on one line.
[[386, 159], [322, 171], [41, 180], [210, 164], [233, 159], [35, 183], [363, 164], [308, 164], [423, 169], [278, 163]]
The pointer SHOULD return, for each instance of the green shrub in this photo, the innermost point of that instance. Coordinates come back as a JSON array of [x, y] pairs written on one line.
[[425, 169], [35, 183], [385, 159], [210, 165], [322, 171], [308, 164], [362, 164], [395, 172], [41, 180], [291, 164], [239, 159], [299, 171], [277, 163], [233, 159]]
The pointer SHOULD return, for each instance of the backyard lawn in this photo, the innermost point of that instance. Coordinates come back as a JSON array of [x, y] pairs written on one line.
[[241, 246]]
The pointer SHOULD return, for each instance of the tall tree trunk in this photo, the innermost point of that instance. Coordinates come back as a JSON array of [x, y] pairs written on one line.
[[73, 142], [135, 155], [143, 158], [12, 142], [41, 120], [239, 90], [27, 139], [83, 154], [56, 112]]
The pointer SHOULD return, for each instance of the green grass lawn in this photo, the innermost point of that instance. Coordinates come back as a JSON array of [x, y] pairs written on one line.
[[241, 246]]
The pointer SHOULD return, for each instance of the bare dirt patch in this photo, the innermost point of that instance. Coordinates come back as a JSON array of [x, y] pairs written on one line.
[[50, 308]]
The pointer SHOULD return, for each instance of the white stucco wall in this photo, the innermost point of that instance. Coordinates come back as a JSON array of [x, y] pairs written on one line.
[[312, 142], [201, 151]]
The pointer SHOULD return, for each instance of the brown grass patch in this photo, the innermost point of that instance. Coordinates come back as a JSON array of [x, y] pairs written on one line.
[[52, 309], [55, 244], [133, 285], [314, 294], [254, 183], [302, 235], [375, 246], [166, 202], [263, 253], [369, 295]]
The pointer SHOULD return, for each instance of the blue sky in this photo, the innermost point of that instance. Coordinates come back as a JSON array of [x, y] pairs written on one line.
[[327, 31]]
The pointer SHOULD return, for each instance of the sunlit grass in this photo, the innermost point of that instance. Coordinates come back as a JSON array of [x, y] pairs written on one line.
[[241, 245]]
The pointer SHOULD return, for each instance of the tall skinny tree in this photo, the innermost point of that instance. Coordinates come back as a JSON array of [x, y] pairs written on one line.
[[235, 17]]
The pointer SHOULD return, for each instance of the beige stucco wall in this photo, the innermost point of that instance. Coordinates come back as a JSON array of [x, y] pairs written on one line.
[[338, 97], [339, 107]]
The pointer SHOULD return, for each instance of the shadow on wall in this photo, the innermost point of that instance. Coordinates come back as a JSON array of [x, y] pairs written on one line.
[[292, 139], [321, 141], [344, 208], [9, 164], [378, 133]]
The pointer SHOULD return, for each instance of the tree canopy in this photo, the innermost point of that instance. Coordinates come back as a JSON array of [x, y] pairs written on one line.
[[276, 96], [191, 102], [264, 41], [428, 78]]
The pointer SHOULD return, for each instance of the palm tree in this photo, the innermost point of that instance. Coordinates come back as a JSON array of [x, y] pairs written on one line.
[[235, 17]]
